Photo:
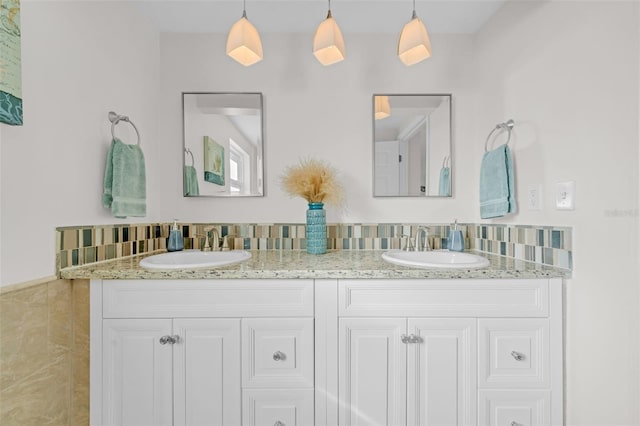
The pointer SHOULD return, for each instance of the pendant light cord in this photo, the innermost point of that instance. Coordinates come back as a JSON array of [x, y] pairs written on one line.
[[414, 15], [244, 8], [329, 11]]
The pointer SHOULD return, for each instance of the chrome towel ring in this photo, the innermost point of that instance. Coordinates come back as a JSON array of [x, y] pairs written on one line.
[[508, 126], [188, 152], [115, 119]]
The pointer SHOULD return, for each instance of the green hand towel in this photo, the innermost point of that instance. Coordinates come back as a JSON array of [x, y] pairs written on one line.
[[497, 189], [191, 181], [124, 189], [444, 187]]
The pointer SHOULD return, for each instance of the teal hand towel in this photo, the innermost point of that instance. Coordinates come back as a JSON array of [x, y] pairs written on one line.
[[497, 190], [191, 181], [125, 186], [444, 187]]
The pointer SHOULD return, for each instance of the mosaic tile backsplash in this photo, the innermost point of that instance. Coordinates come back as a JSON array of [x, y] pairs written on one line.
[[76, 246]]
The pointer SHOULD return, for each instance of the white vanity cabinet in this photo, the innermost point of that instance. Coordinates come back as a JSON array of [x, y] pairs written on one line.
[[190, 352], [442, 352], [327, 352]]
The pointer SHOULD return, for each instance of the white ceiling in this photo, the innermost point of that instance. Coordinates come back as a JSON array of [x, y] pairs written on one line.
[[303, 16]]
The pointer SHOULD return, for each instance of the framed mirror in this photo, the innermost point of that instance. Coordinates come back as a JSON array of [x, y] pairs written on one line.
[[412, 145], [222, 144]]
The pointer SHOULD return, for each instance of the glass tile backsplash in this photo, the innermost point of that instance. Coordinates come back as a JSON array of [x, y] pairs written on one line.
[[76, 246]]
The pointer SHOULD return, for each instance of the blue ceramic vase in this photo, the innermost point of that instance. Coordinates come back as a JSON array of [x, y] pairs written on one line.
[[316, 229]]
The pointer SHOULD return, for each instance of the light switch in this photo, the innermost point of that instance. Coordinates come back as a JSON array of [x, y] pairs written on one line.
[[565, 195]]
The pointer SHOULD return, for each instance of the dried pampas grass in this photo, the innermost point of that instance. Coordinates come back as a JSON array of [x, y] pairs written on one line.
[[313, 180]]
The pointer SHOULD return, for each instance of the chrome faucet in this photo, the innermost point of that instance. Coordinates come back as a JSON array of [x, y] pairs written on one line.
[[425, 242], [215, 236]]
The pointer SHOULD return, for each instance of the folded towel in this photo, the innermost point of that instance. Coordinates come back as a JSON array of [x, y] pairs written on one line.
[[497, 190], [124, 190], [444, 187], [191, 181]]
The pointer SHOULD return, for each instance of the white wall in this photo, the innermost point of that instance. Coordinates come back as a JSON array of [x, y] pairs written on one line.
[[311, 110], [79, 61], [567, 73]]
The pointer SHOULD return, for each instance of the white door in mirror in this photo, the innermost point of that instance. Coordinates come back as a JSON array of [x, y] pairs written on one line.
[[435, 259], [192, 259]]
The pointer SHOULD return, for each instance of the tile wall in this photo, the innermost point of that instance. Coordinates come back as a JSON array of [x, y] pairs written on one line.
[[76, 246], [44, 354]]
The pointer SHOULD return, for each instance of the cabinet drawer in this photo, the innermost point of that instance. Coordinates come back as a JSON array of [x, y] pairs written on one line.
[[277, 352], [514, 353], [514, 408], [206, 298], [444, 298], [280, 407]]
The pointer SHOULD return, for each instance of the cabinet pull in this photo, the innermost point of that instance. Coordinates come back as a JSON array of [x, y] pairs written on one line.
[[412, 338], [515, 424], [279, 356], [172, 340], [518, 357], [279, 423]]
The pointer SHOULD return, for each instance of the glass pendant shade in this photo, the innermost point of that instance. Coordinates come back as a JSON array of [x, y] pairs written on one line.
[[382, 107], [328, 44], [243, 42], [414, 45]]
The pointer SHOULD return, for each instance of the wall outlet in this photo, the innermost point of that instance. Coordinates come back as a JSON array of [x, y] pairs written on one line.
[[565, 195], [534, 197]]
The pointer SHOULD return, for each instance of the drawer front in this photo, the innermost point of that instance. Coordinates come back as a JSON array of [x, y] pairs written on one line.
[[444, 298], [514, 408], [277, 352], [514, 353], [206, 298], [277, 407]]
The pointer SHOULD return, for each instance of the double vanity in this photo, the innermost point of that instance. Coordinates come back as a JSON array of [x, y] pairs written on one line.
[[285, 338]]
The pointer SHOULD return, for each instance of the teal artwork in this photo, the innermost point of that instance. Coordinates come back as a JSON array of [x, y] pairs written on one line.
[[10, 63], [213, 161]]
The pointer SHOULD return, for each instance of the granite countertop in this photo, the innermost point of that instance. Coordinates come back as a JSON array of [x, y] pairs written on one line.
[[298, 264]]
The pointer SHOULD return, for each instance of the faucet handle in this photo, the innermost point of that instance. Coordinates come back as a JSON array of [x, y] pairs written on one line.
[[409, 244], [225, 242]]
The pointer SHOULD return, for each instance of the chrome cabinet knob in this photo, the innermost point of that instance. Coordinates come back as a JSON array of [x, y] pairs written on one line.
[[518, 357], [279, 356], [172, 340], [279, 423], [515, 424], [404, 338]]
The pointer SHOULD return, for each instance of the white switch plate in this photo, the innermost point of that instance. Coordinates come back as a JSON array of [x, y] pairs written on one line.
[[534, 197], [565, 195]]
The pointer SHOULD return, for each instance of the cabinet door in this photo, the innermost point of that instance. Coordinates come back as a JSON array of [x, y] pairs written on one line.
[[372, 371], [442, 372], [207, 372], [136, 372]]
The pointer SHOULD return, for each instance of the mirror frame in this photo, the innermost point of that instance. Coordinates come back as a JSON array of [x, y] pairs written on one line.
[[184, 145], [373, 147]]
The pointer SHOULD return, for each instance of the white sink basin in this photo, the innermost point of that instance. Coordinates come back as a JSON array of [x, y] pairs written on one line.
[[435, 259], [192, 259]]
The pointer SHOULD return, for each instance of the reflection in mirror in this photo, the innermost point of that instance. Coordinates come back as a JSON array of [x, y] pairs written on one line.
[[223, 149], [412, 145]]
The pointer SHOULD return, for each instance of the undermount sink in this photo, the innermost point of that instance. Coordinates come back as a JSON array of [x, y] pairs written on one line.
[[435, 259], [192, 259]]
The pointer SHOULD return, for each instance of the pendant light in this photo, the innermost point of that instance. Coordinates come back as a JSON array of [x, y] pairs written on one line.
[[328, 44], [382, 107], [414, 45], [243, 42]]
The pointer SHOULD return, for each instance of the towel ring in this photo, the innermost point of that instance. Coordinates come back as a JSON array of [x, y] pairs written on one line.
[[508, 126], [115, 119], [188, 151]]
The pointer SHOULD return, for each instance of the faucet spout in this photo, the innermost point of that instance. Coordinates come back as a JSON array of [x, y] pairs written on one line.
[[418, 246], [215, 238]]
